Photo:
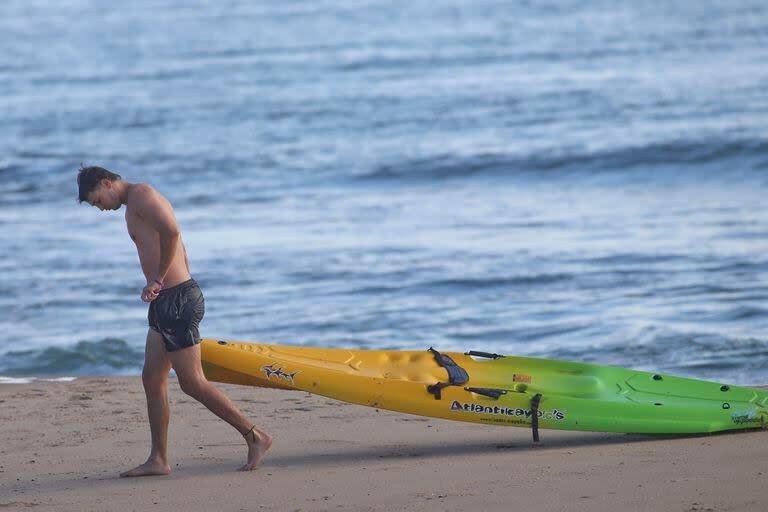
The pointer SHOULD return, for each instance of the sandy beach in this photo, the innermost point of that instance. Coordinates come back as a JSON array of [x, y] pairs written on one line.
[[64, 443]]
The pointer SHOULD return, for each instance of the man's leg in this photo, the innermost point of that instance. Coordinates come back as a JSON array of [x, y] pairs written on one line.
[[189, 370], [155, 380]]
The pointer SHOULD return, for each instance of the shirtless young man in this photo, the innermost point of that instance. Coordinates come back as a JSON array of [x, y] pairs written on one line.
[[175, 310]]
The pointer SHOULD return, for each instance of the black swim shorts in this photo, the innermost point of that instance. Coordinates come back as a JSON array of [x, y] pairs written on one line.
[[176, 313]]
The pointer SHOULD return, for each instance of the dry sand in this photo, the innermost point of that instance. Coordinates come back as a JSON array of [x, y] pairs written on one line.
[[63, 445]]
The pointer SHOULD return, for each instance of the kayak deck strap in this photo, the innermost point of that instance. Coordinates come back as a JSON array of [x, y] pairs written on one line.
[[535, 416], [457, 376]]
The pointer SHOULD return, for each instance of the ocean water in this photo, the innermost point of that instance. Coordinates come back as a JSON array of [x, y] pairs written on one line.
[[576, 180]]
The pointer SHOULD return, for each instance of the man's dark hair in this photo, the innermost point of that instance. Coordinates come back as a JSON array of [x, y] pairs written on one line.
[[89, 178]]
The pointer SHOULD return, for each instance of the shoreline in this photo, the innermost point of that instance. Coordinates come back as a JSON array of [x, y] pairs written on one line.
[[65, 443]]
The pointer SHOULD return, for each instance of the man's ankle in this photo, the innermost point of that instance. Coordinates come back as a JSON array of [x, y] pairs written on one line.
[[153, 457]]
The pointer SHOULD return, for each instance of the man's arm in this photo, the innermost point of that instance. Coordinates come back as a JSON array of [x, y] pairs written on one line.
[[155, 210]]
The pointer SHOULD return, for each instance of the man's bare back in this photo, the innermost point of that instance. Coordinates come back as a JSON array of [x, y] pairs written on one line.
[[176, 307]]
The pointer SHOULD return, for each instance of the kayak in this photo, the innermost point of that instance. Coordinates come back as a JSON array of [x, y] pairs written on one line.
[[494, 389]]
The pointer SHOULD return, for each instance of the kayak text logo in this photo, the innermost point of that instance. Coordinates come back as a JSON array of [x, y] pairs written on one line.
[[275, 369], [746, 417], [554, 414]]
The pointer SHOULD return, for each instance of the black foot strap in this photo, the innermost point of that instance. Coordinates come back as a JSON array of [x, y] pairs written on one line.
[[535, 416], [489, 392], [457, 376]]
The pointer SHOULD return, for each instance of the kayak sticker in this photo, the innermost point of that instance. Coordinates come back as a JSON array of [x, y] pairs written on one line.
[[746, 417], [275, 369], [554, 414]]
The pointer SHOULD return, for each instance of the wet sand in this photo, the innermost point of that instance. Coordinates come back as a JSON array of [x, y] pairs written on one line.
[[63, 445]]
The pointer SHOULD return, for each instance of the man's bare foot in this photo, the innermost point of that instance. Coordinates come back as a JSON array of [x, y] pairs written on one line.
[[258, 444], [149, 468]]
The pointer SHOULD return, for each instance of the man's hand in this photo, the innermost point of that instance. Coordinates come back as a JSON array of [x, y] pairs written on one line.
[[149, 293]]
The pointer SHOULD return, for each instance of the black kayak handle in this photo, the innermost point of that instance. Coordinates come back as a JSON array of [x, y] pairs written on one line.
[[487, 355]]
